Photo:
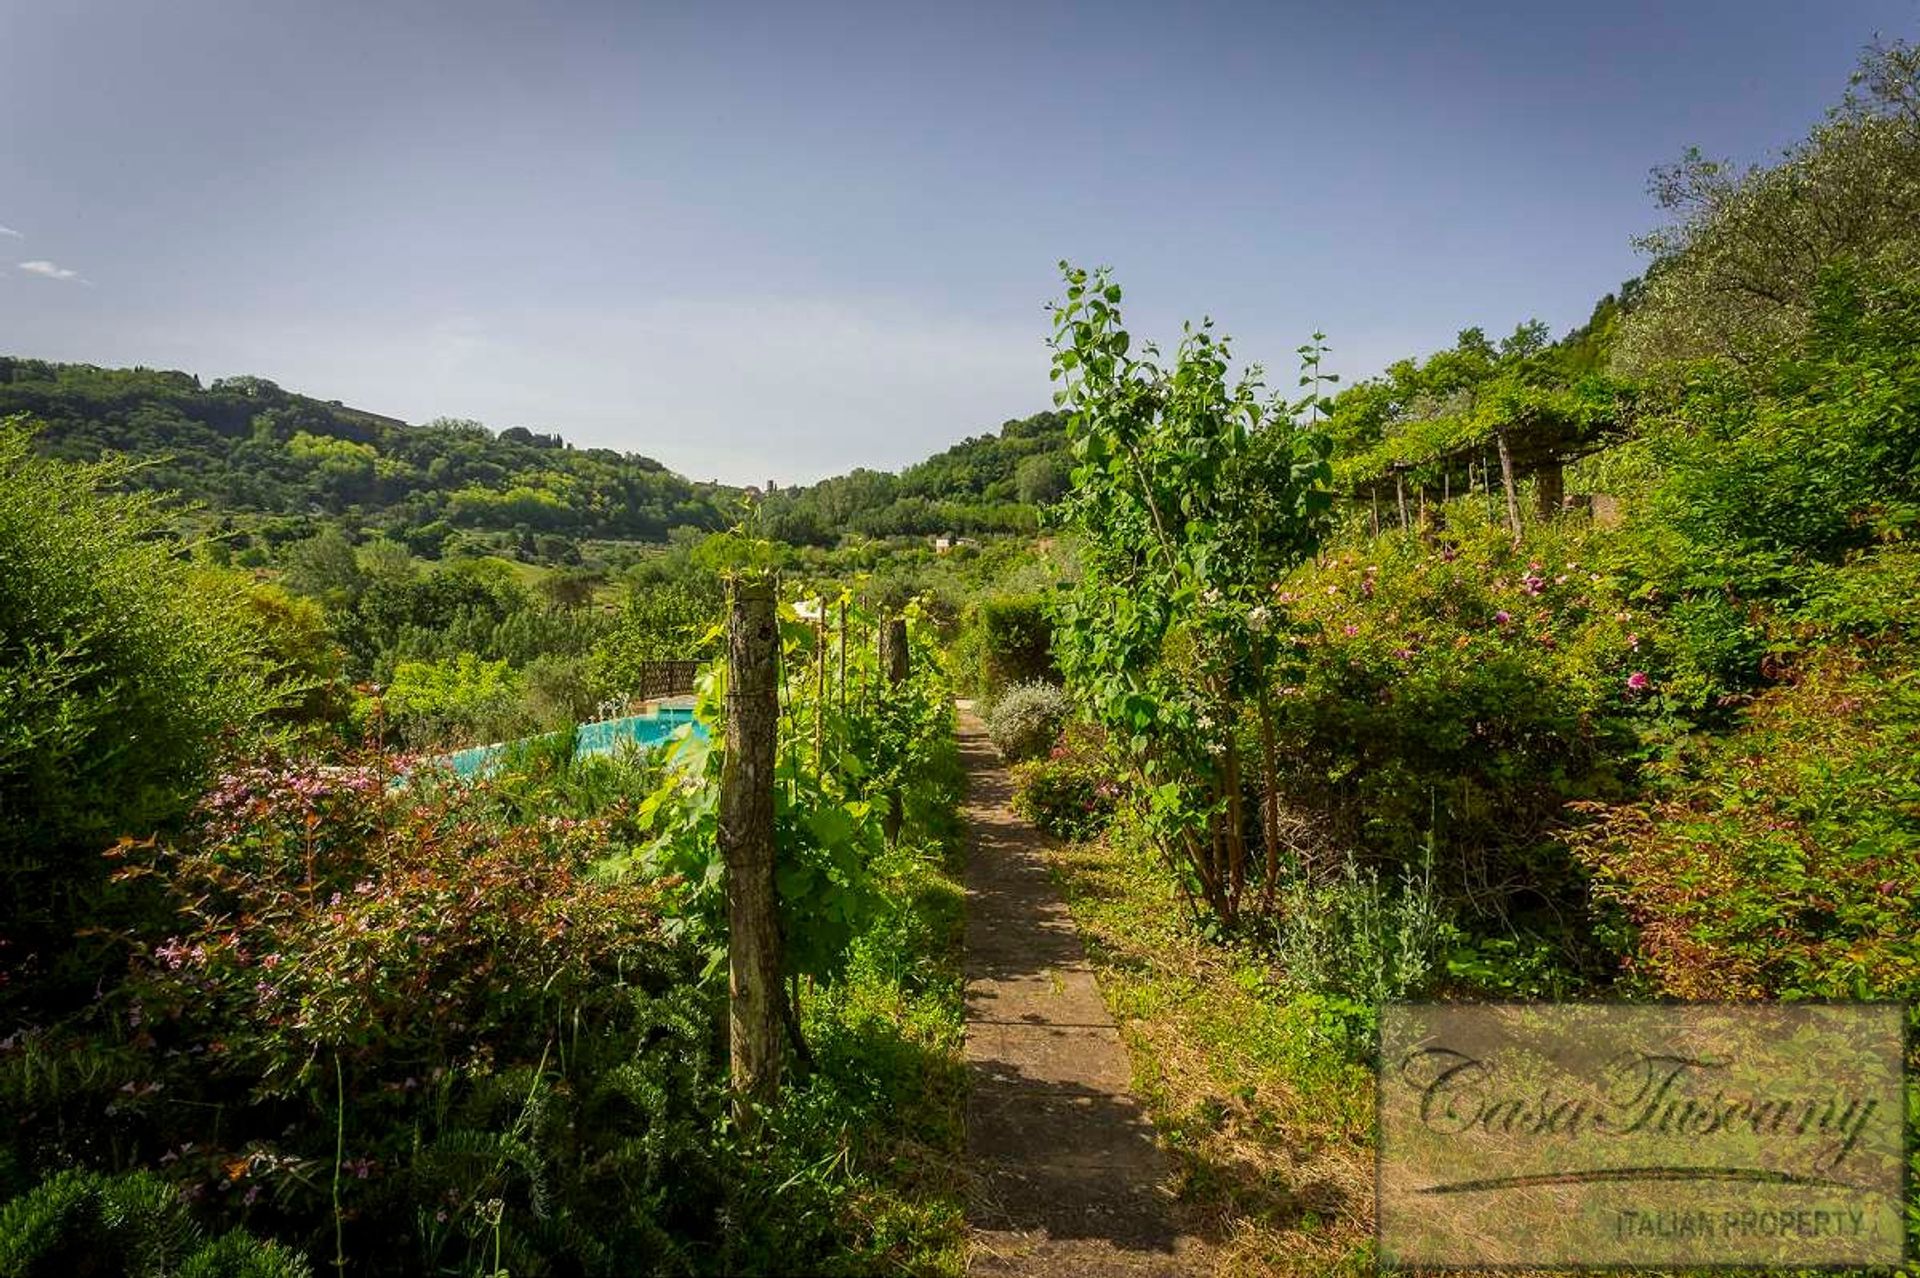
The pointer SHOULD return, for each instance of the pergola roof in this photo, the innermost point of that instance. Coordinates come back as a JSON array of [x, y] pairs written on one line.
[[1542, 426]]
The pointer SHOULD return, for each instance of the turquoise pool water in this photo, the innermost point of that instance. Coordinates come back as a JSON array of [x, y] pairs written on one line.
[[604, 736]]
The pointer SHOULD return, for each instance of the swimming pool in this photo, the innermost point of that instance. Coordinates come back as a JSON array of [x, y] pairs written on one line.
[[603, 736]]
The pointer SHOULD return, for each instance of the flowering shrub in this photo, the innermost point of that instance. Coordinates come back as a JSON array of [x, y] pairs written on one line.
[[1461, 691], [1778, 868], [1071, 794], [440, 1028], [335, 916], [1026, 720], [406, 1003]]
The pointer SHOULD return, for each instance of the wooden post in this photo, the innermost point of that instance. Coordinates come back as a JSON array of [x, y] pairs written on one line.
[[1506, 482], [820, 687], [745, 838], [1375, 491], [843, 656], [1550, 491], [893, 667], [1400, 492]]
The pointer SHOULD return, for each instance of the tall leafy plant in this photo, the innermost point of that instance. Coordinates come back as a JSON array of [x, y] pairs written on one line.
[[1193, 493], [121, 668]]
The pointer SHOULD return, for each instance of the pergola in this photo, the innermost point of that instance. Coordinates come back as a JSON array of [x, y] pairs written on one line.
[[1528, 434]]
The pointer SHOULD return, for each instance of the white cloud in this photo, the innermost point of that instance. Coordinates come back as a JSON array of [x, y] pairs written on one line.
[[50, 270], [8, 231]]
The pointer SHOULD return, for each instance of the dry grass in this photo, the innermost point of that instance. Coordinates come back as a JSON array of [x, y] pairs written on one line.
[[1270, 1126]]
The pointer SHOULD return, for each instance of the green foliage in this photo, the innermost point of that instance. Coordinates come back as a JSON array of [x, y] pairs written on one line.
[[325, 567], [1511, 401], [1786, 862], [985, 485], [308, 666], [1190, 498], [1068, 793], [842, 755], [1736, 275], [452, 702], [1768, 482], [1026, 720], [83, 1223], [1468, 687], [560, 691], [1016, 642], [659, 621], [121, 667], [1350, 943], [246, 444], [1453, 693]]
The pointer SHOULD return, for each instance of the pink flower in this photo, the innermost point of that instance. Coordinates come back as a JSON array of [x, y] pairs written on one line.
[[1503, 618], [1533, 584], [1352, 630], [1637, 683]]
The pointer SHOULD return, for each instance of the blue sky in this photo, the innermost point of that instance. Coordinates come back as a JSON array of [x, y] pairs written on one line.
[[779, 241]]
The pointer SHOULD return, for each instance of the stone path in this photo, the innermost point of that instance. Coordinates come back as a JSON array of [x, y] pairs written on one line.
[[1068, 1179]]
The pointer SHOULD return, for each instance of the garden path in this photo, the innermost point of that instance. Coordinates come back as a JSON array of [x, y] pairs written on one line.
[[1067, 1177]]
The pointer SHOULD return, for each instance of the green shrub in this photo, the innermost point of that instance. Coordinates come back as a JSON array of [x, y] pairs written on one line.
[[968, 659], [560, 691], [1017, 637], [455, 702], [1026, 720], [506, 1047], [1787, 862], [79, 1223], [1352, 943], [1071, 793], [121, 667]]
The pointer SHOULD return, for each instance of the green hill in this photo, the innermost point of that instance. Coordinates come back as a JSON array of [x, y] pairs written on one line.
[[245, 445]]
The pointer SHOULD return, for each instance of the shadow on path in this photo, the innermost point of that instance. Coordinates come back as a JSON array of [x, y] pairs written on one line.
[[1068, 1179]]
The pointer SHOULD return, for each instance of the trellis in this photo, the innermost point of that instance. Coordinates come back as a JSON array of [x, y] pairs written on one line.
[[661, 679], [1536, 445]]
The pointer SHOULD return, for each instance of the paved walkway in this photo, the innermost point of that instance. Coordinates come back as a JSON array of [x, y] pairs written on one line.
[[1068, 1177]]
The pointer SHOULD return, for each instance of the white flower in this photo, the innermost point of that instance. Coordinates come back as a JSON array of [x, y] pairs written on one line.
[[1257, 618]]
